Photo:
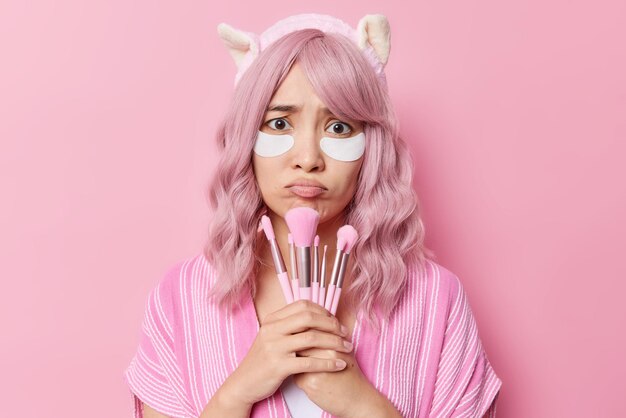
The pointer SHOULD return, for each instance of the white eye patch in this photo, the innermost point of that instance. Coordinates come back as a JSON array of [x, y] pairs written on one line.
[[341, 149], [267, 145], [344, 149]]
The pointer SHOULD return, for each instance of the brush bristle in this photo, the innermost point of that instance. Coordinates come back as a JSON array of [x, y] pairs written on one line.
[[346, 238], [317, 241], [302, 223], [267, 227]]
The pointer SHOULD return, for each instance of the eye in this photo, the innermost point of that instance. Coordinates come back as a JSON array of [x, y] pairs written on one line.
[[279, 124], [340, 128]]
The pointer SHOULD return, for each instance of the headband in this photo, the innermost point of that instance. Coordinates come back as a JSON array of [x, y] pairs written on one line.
[[372, 37]]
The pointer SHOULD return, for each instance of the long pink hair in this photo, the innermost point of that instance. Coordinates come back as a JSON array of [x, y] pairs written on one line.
[[384, 209]]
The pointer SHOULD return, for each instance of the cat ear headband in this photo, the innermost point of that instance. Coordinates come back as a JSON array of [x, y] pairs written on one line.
[[372, 37]]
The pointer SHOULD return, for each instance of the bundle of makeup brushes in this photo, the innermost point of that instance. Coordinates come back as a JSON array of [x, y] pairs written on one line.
[[308, 278]]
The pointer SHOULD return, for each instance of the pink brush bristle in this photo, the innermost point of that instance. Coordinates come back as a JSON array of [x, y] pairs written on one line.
[[346, 238], [317, 241], [302, 223], [267, 227]]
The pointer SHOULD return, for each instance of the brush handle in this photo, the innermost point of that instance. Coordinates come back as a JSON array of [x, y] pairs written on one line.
[[322, 295], [333, 309], [316, 292], [294, 272], [283, 278], [329, 297], [295, 287], [305, 293]]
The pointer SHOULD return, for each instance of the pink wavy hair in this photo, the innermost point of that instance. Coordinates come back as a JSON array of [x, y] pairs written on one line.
[[384, 209]]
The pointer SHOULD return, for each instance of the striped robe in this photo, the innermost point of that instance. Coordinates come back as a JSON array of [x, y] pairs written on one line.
[[428, 359]]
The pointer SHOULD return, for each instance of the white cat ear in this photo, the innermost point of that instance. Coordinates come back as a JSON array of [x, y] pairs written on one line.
[[374, 30], [237, 42]]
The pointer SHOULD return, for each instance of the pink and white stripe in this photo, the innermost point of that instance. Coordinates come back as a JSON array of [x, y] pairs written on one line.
[[428, 359]]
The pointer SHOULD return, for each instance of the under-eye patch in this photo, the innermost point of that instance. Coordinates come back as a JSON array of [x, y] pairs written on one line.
[[344, 149], [341, 149], [272, 145]]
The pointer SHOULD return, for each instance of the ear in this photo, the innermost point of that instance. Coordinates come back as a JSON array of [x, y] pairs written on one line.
[[237, 42], [374, 30]]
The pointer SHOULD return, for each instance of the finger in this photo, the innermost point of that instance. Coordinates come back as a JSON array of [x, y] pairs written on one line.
[[303, 321], [295, 365], [295, 307], [316, 339]]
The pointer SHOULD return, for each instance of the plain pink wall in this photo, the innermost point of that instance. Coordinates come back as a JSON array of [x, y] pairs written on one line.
[[516, 114]]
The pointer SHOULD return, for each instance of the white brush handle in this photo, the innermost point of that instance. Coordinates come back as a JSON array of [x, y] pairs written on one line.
[[283, 278], [329, 297], [295, 288], [305, 293], [333, 308], [316, 292]]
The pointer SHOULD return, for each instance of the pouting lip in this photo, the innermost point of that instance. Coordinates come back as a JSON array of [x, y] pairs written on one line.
[[306, 191], [306, 183]]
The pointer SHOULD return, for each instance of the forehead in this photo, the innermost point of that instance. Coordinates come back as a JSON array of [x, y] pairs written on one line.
[[296, 93], [296, 89]]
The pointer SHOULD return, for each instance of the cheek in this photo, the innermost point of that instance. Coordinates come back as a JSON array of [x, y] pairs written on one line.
[[260, 173], [347, 176], [266, 172]]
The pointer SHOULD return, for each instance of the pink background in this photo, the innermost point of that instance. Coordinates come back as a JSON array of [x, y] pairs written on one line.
[[516, 115]]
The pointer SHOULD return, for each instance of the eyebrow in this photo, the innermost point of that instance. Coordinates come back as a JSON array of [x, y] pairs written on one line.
[[291, 108]]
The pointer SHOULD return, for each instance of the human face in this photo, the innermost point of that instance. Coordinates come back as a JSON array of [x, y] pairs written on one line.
[[307, 119]]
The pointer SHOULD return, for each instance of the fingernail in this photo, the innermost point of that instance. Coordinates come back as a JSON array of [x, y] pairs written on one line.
[[344, 330], [347, 344], [340, 364]]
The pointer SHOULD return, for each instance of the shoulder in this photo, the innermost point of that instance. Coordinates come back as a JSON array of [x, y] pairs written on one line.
[[440, 281], [180, 284], [195, 267], [192, 271]]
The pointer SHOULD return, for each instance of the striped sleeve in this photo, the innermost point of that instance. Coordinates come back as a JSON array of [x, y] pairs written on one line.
[[153, 375], [466, 384]]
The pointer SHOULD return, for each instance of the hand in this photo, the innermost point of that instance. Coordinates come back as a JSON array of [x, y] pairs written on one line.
[[340, 392], [301, 325]]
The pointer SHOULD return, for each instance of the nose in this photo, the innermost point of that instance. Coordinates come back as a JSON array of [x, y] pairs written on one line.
[[306, 152]]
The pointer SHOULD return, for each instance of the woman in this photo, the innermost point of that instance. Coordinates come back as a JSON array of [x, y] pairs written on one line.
[[219, 339]]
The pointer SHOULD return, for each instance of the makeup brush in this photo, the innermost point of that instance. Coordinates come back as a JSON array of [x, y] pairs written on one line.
[[315, 284], [279, 264], [347, 235], [322, 292], [302, 222], [333, 276], [294, 268]]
